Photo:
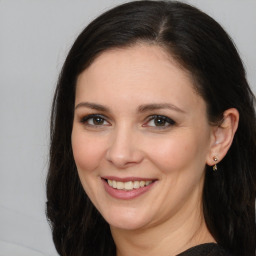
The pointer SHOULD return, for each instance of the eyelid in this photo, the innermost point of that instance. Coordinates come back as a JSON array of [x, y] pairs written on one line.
[[170, 121], [84, 120]]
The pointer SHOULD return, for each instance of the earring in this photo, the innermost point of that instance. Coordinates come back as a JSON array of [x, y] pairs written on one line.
[[215, 168]]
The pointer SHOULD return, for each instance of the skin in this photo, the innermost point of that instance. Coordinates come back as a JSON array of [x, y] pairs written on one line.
[[127, 142]]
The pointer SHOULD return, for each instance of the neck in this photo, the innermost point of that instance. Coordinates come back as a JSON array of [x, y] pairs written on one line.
[[169, 238]]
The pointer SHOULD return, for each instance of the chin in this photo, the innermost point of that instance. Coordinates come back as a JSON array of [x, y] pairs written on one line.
[[126, 224], [126, 219]]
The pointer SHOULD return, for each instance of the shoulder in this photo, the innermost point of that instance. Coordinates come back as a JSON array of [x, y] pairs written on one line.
[[209, 249]]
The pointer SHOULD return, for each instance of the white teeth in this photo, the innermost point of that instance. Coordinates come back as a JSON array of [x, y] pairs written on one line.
[[142, 183], [129, 185], [114, 184], [119, 185], [136, 184]]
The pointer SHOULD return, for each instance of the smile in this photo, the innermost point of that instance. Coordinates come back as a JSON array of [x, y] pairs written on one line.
[[127, 188], [129, 185]]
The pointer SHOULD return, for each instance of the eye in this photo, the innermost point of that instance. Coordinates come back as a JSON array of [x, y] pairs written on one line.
[[159, 121], [95, 120]]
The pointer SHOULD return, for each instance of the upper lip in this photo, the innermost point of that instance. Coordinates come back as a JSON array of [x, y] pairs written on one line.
[[127, 178]]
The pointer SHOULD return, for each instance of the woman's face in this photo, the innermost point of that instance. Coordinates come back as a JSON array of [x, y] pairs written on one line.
[[140, 137]]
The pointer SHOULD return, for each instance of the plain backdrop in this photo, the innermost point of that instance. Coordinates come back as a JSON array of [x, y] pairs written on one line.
[[35, 36]]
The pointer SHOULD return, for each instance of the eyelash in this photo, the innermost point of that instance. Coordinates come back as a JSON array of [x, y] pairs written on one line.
[[165, 121], [85, 120]]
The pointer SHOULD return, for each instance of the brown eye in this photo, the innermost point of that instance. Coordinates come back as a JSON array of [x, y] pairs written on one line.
[[95, 120], [159, 121]]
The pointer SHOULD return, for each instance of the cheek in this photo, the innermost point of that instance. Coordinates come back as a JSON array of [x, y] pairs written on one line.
[[87, 151], [178, 152]]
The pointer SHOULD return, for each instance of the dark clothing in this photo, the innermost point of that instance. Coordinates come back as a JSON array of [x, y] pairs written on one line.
[[209, 249]]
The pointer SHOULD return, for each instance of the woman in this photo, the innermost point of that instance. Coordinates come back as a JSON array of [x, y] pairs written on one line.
[[152, 138]]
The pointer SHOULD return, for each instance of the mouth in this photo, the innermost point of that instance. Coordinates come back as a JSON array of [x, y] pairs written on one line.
[[127, 188], [128, 185]]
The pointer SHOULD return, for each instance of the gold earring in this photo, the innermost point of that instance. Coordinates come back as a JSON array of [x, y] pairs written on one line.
[[215, 159]]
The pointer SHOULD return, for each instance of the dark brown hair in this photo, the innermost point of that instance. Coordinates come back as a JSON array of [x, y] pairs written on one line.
[[202, 47]]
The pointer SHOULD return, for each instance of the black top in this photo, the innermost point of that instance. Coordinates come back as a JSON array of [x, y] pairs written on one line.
[[209, 249]]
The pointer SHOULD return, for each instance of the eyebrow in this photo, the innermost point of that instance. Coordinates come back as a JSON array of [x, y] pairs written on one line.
[[95, 106], [140, 109], [152, 107]]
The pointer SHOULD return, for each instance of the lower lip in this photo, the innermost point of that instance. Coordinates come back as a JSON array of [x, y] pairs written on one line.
[[126, 194]]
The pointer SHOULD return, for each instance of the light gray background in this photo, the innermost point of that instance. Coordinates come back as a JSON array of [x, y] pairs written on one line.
[[35, 36]]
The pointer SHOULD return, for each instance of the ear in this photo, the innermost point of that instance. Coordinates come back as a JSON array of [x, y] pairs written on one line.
[[222, 136]]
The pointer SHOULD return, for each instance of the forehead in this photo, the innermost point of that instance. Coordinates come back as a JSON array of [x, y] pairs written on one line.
[[141, 73], [139, 53]]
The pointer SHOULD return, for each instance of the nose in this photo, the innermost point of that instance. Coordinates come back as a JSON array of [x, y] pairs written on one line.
[[123, 150]]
